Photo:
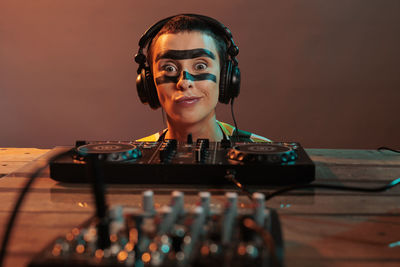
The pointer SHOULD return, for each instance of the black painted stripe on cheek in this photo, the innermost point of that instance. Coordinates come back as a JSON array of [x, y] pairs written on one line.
[[186, 76], [166, 79], [199, 77]]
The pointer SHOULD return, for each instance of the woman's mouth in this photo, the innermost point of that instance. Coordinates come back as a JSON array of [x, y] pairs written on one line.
[[187, 100]]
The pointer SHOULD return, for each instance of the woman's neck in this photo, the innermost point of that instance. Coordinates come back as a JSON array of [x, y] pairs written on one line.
[[208, 129]]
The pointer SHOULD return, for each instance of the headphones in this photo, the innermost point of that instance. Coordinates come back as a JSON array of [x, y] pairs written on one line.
[[229, 85]]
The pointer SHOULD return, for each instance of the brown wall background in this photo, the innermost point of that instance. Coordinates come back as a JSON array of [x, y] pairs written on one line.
[[323, 73]]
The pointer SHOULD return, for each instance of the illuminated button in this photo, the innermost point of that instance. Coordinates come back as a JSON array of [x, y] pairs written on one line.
[[80, 249], [146, 257]]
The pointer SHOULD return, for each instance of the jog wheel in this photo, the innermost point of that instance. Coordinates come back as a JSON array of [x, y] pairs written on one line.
[[111, 151], [268, 153]]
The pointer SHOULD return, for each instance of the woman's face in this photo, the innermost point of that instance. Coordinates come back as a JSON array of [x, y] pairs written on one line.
[[186, 71]]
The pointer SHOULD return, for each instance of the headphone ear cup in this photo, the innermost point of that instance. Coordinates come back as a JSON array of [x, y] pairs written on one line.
[[140, 87], [146, 88], [152, 90], [234, 83], [229, 85], [223, 80]]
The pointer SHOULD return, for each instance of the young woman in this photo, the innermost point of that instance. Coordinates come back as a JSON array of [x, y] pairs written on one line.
[[189, 67]]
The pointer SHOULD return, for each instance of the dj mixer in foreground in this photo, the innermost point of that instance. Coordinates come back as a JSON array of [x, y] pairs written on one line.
[[175, 235], [201, 162]]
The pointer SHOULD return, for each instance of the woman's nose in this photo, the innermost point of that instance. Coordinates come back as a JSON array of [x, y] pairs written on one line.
[[185, 80]]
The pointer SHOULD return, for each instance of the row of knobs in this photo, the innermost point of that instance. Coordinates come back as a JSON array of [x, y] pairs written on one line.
[[176, 208]]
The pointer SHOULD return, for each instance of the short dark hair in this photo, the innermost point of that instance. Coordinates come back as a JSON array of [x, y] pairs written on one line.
[[185, 23]]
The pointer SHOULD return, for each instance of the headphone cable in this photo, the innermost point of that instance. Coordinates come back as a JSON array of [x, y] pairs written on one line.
[[236, 131]]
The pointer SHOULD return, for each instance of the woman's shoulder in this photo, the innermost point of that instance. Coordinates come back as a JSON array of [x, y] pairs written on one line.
[[243, 136]]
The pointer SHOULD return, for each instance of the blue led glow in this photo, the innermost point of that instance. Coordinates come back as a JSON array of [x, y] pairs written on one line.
[[165, 248], [393, 183], [394, 244]]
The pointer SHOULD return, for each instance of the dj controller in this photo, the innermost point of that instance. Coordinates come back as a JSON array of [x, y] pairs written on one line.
[[201, 162]]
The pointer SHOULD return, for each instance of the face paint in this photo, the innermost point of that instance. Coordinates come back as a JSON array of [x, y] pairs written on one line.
[[185, 54], [186, 76]]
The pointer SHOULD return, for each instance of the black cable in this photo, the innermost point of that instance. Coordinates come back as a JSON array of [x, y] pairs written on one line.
[[231, 176], [18, 203], [334, 187], [388, 148], [236, 131]]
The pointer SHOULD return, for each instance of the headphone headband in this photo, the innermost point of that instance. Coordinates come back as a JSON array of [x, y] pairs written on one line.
[[151, 32]]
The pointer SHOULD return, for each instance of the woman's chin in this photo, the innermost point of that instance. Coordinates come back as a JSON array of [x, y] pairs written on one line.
[[187, 119], [191, 117]]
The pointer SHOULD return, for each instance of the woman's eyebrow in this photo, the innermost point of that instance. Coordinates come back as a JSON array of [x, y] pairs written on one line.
[[185, 54]]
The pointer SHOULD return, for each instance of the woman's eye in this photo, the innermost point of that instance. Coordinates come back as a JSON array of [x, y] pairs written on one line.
[[201, 66], [169, 68]]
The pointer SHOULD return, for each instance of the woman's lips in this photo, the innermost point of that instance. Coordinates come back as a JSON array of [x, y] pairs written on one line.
[[187, 100]]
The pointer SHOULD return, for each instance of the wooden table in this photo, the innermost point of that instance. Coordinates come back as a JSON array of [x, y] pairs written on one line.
[[320, 227]]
